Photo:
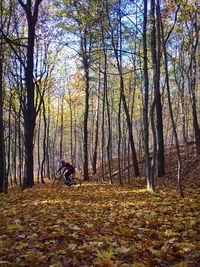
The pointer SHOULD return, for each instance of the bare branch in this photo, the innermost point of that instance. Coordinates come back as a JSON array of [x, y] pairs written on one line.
[[169, 33], [23, 5], [12, 47], [35, 12]]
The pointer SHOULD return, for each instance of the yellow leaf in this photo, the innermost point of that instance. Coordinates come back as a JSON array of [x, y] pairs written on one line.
[[1, 243], [185, 246], [107, 254], [14, 227], [125, 231], [39, 245], [170, 232], [181, 264], [22, 245], [107, 238], [32, 256], [56, 265], [104, 262], [137, 264]]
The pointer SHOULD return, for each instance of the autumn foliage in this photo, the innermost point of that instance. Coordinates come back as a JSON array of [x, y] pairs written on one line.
[[101, 225]]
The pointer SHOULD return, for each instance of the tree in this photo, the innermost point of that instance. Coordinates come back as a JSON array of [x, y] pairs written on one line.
[[192, 73], [150, 184], [117, 47], [180, 183], [2, 148], [156, 56]]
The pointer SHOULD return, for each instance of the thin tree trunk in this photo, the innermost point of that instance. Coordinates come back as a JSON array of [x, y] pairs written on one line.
[[109, 143], [47, 144], [8, 171], [2, 148], [146, 101], [85, 143], [94, 160], [119, 141], [180, 182], [38, 149], [62, 127], [15, 153], [103, 133], [20, 161], [192, 79], [42, 172]]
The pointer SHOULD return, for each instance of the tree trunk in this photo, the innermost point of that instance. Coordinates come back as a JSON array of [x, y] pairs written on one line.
[[180, 182], [156, 54], [30, 110], [62, 128], [38, 148], [193, 72], [119, 141], [42, 171], [85, 142], [94, 160], [159, 122], [109, 147], [47, 145], [2, 148], [103, 133], [146, 101]]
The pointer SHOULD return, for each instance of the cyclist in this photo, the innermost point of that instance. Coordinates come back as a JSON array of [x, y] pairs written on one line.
[[68, 169]]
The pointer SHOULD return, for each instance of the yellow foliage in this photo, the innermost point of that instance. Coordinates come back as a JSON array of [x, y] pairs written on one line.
[[98, 225]]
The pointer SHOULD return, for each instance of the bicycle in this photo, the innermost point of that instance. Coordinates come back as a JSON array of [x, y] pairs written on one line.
[[60, 180]]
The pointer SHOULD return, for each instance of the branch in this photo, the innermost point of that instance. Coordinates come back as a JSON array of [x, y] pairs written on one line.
[[12, 47], [23, 5], [35, 12], [14, 42], [169, 33]]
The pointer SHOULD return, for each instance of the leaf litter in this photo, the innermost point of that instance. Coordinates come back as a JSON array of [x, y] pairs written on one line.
[[101, 225]]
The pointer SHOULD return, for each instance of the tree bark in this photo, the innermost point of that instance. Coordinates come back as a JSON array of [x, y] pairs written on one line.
[[2, 148], [159, 122], [155, 55], [85, 142], [146, 101], [30, 110], [180, 182], [94, 160]]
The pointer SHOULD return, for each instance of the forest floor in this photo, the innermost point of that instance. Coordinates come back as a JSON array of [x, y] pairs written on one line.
[[103, 225]]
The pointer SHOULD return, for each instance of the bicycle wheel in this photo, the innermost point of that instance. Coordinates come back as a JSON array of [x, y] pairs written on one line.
[[57, 182], [76, 182]]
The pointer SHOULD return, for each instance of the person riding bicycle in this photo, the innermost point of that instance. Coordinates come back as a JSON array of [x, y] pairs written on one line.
[[68, 170]]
